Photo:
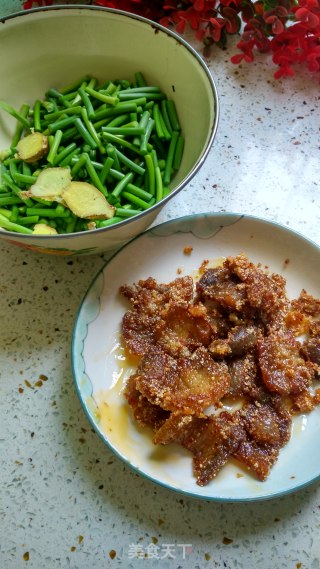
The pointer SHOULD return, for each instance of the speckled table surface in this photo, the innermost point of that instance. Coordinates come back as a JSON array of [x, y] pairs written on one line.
[[65, 499]]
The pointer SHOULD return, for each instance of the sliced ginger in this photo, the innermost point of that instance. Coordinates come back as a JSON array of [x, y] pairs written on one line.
[[87, 202], [44, 229], [50, 184], [32, 147]]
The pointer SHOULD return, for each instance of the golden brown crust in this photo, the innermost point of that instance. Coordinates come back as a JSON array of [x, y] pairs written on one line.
[[145, 413], [266, 424], [265, 293], [182, 329], [245, 380], [307, 304], [138, 331], [216, 444], [259, 459], [231, 339], [218, 285], [189, 384], [180, 428], [283, 370]]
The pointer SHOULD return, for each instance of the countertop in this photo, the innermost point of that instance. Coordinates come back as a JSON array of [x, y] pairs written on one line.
[[65, 499]]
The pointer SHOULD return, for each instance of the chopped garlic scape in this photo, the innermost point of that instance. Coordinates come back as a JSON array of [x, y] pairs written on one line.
[[32, 147], [43, 229], [87, 202], [50, 184]]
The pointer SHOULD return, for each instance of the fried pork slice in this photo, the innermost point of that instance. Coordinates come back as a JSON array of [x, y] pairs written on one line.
[[138, 331], [220, 348], [303, 317], [180, 428], [310, 350], [267, 423], [217, 317], [245, 379], [144, 412], [304, 402], [268, 427], [217, 284], [283, 369], [267, 294], [183, 329], [189, 384], [217, 442], [259, 459], [243, 339], [297, 322], [314, 330], [240, 340], [151, 297], [307, 304]]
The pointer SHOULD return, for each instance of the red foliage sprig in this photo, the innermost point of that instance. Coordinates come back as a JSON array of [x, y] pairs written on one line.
[[287, 29]]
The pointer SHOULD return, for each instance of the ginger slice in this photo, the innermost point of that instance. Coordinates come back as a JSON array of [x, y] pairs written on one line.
[[32, 147], [44, 229], [50, 184], [87, 202]]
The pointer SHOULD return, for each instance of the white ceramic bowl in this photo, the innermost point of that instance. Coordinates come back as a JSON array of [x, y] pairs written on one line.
[[53, 46]]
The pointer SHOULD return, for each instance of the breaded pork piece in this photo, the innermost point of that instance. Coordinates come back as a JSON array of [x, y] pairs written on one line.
[[189, 384]]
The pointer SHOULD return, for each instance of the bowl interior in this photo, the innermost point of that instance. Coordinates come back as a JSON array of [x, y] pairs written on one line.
[[52, 48]]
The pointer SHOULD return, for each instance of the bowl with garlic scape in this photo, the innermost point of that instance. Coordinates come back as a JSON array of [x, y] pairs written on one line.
[[103, 133]]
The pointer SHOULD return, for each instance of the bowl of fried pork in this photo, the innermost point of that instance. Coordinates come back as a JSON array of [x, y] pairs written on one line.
[[196, 357]]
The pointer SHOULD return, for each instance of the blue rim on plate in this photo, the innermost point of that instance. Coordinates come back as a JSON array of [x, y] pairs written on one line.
[[158, 252]]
